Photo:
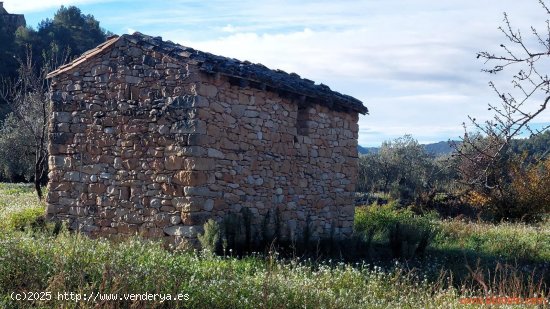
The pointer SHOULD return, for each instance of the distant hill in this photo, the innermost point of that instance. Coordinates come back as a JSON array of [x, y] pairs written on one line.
[[437, 149], [535, 147], [365, 150]]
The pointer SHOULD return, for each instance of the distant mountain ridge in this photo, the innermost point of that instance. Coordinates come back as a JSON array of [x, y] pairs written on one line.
[[537, 146], [436, 149]]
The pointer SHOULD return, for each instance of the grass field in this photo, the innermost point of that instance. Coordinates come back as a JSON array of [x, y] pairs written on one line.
[[462, 259]]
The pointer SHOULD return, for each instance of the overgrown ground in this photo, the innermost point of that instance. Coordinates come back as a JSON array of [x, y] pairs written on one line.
[[460, 260]]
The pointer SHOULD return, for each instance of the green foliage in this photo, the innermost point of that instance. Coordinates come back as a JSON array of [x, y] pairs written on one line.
[[71, 29], [507, 240], [210, 239], [9, 189], [76, 263], [535, 147], [8, 50], [404, 232], [19, 208], [25, 218], [72, 262], [510, 187], [404, 169], [16, 151], [408, 240]]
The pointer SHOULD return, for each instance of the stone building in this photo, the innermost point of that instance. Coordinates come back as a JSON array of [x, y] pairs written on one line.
[[11, 21], [149, 137]]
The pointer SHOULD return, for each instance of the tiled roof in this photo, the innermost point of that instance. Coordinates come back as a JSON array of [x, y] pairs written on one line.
[[246, 71], [85, 56]]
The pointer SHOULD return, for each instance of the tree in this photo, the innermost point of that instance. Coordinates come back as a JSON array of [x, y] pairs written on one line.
[[32, 55], [485, 156], [16, 151], [8, 63], [71, 30], [369, 173], [404, 169], [516, 112], [7, 50], [530, 187], [26, 128]]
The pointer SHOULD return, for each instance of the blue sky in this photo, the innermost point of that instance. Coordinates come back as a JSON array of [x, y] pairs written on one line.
[[413, 63]]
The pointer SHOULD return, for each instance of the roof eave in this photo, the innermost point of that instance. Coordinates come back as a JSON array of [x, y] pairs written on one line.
[[84, 57]]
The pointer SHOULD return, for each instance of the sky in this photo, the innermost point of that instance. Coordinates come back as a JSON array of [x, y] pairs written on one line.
[[411, 62]]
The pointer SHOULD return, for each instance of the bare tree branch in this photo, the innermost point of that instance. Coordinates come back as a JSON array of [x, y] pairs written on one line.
[[28, 96], [483, 152]]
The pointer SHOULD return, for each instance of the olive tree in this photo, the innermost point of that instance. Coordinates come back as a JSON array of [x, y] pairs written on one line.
[[404, 169]]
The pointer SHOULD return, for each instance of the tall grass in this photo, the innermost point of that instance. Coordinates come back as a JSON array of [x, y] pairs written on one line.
[[19, 206], [506, 240], [36, 261], [73, 263]]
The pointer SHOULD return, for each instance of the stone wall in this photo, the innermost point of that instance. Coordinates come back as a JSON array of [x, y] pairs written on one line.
[[144, 143], [273, 155]]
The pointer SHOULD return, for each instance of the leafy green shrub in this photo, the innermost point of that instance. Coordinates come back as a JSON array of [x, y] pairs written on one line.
[[409, 239], [380, 218], [407, 234], [16, 156], [210, 240]]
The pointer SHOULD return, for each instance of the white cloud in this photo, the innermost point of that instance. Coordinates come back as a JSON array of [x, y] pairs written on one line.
[[229, 28], [412, 62], [26, 6], [415, 70]]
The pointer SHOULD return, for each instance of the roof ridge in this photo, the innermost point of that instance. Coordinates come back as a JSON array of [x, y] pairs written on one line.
[[86, 55], [244, 70]]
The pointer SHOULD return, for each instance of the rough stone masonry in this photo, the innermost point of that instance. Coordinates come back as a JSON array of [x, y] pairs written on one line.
[[149, 137]]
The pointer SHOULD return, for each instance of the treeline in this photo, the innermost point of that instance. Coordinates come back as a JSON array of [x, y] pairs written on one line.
[[69, 32], [27, 54], [403, 169], [518, 188]]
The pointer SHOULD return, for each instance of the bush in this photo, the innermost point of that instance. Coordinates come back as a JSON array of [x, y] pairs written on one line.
[[530, 186], [210, 240], [407, 234], [408, 239], [523, 197], [16, 150]]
